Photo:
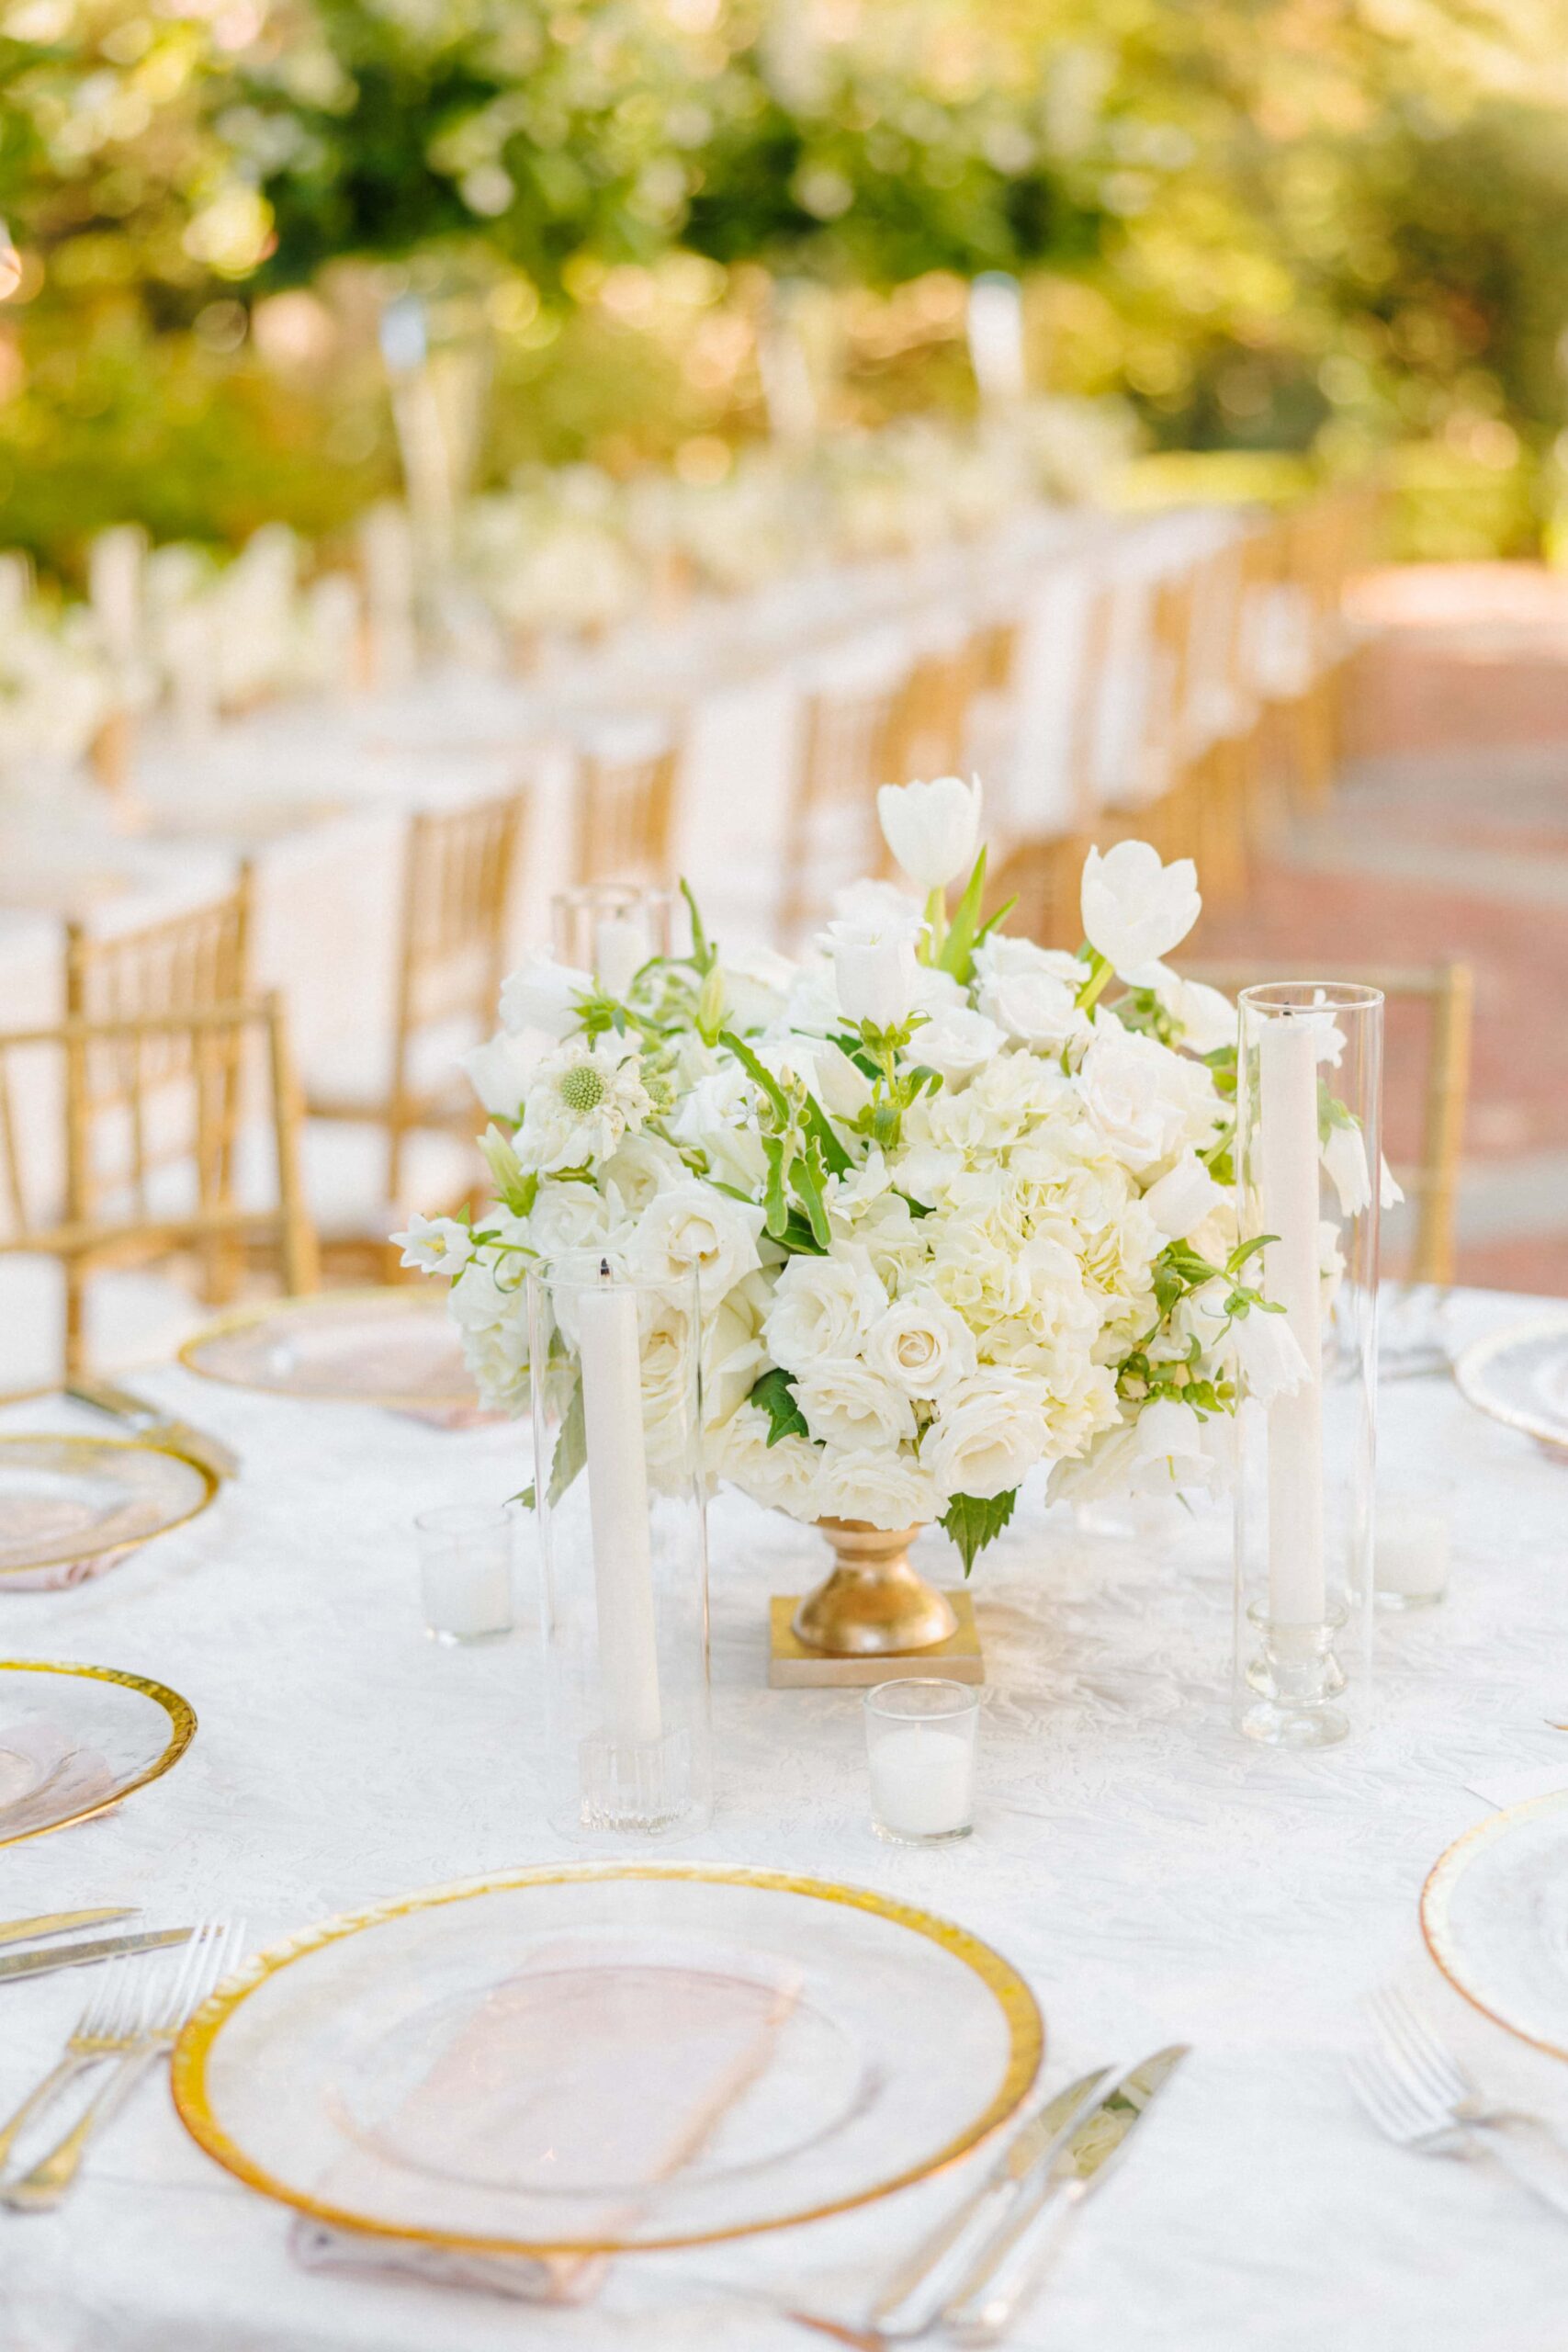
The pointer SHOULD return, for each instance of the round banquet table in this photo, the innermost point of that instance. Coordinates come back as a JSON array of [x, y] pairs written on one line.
[[1156, 1879]]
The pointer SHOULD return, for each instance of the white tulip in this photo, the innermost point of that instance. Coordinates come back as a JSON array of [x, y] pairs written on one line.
[[931, 829], [543, 995], [1183, 1197], [1135, 908], [957, 1043], [877, 971]]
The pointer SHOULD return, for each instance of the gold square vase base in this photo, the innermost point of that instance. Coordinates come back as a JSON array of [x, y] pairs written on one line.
[[792, 1666]]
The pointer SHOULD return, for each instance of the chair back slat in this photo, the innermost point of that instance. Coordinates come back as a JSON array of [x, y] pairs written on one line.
[[627, 814]]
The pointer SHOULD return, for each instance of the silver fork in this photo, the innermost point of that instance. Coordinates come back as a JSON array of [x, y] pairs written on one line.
[[143, 2022], [104, 2024], [1417, 2094]]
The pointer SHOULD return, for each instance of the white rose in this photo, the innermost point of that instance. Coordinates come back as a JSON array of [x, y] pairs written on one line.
[[998, 957], [781, 1477], [1145, 1100], [691, 1225], [876, 970], [734, 1358], [642, 1167], [821, 1311], [957, 1043], [922, 1345], [1036, 1007], [989, 1434], [849, 1405], [1135, 909], [1183, 1197], [542, 995], [669, 1399], [569, 1217], [501, 1070], [883, 1489], [717, 1116], [931, 829]]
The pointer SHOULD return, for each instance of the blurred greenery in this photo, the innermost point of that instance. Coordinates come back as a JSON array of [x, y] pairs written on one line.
[[1311, 229]]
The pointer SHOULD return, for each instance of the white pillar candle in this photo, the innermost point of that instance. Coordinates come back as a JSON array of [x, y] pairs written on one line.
[[922, 1779], [620, 948], [1287, 1054], [611, 1359], [468, 1593]]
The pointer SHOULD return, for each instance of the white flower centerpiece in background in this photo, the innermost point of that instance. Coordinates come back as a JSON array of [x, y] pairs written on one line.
[[959, 1204]]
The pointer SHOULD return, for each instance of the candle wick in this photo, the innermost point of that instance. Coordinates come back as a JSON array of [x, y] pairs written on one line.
[[604, 1270]]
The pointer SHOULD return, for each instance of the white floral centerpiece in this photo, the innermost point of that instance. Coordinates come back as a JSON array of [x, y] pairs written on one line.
[[958, 1204]]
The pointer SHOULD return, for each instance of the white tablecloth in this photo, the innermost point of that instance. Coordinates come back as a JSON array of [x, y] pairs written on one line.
[[1155, 1877]]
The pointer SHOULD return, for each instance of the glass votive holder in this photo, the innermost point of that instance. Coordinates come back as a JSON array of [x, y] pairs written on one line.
[[465, 1571], [919, 1737], [1411, 1544]]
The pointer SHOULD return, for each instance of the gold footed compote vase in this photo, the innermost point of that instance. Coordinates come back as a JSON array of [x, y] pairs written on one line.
[[873, 1618]]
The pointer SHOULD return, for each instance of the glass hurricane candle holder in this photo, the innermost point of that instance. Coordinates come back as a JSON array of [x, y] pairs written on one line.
[[465, 1572], [611, 929], [1308, 1162], [920, 1741], [622, 1548]]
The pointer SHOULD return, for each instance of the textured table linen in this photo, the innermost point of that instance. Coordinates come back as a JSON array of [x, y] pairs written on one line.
[[1155, 1877]]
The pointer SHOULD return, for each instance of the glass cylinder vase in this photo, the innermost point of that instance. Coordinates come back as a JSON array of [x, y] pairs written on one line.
[[1308, 1164], [611, 929], [622, 1550]]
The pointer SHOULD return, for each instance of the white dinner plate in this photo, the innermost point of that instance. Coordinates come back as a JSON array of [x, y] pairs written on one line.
[[1520, 1378], [396, 1347], [1494, 1914], [72, 1507]]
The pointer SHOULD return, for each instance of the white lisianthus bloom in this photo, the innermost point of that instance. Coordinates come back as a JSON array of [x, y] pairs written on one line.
[[843, 1087], [1345, 1157], [957, 1042], [876, 969], [582, 1101], [822, 1310], [885, 1490], [501, 1070], [931, 829], [1145, 1100], [1206, 1017], [849, 1405], [1135, 909], [999, 958], [782, 1477], [566, 1219], [543, 995], [436, 1245], [1180, 1200], [1036, 1007], [642, 1167], [922, 1345], [693, 1225], [989, 1434]]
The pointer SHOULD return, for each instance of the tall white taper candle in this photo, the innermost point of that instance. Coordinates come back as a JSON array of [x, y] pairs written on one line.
[[1287, 1103], [610, 1359], [621, 948]]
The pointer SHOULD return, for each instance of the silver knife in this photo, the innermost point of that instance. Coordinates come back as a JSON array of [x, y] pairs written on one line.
[[149, 1421], [39, 1963], [57, 1923], [918, 2289], [1013, 2265]]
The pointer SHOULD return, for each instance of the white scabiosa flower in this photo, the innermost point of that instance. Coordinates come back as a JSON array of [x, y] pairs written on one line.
[[582, 1101], [931, 829], [1135, 908]]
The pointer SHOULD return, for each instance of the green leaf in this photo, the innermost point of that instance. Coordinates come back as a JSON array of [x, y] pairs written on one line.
[[775, 1395], [835, 1158], [757, 1074], [798, 1238], [775, 1204], [958, 948], [571, 1445], [526, 1496], [994, 922], [704, 954], [975, 1520], [807, 1175]]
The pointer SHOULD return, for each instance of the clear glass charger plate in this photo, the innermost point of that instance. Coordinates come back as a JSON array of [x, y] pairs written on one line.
[[603, 2057], [72, 1507], [1494, 1914], [75, 1739], [1520, 1378], [395, 1348]]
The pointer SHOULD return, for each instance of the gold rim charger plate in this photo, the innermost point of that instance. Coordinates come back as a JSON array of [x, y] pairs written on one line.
[[1520, 1378], [395, 1348], [606, 2057], [72, 1507], [1494, 1915], [75, 1739]]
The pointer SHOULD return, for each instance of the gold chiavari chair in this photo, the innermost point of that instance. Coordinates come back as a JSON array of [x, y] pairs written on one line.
[[152, 1105], [851, 745], [1444, 993], [930, 727], [1041, 871], [458, 880], [626, 807]]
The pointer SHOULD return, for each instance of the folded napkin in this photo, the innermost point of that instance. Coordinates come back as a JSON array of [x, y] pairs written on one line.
[[591, 2065]]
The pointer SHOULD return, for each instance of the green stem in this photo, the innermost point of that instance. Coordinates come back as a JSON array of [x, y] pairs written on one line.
[[935, 938], [1100, 973]]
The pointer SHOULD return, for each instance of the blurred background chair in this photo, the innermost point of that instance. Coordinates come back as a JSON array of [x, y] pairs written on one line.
[[850, 734], [152, 1105]]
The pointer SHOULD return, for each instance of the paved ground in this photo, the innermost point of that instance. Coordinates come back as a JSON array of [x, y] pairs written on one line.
[[1451, 840]]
